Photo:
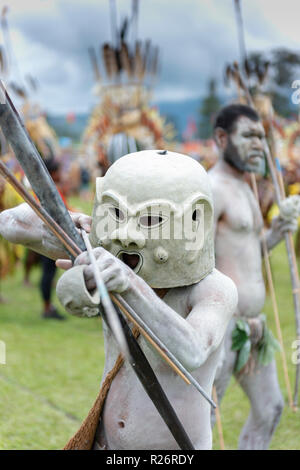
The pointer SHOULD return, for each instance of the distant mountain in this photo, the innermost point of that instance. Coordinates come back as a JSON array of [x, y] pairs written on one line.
[[73, 129], [178, 113]]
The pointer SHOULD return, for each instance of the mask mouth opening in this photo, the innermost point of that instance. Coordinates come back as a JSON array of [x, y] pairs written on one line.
[[132, 259]]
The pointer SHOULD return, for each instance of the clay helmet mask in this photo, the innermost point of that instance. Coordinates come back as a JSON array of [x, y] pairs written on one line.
[[153, 210]]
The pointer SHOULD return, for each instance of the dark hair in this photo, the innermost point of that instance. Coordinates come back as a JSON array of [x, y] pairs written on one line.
[[52, 165], [227, 116]]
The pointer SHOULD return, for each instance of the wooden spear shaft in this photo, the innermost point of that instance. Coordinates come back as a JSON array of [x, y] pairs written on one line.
[[218, 419], [94, 62]]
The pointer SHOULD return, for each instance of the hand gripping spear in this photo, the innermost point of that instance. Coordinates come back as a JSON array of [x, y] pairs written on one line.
[[49, 197]]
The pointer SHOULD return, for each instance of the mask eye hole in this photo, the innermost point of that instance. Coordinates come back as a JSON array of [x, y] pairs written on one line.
[[117, 214], [150, 220], [196, 215]]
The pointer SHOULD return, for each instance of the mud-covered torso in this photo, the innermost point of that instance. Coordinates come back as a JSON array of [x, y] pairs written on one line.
[[129, 417], [237, 240]]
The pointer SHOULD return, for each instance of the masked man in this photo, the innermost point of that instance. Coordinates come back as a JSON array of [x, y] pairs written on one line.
[[152, 233], [249, 345]]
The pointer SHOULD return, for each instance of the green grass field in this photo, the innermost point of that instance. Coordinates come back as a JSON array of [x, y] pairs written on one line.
[[53, 369]]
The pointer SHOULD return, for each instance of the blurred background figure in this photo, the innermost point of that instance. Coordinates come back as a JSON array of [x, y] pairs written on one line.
[[48, 265]]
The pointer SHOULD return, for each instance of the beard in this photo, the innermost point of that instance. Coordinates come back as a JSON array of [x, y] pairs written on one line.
[[232, 157]]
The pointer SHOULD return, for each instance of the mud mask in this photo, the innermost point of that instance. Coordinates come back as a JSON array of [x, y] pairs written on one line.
[[153, 210]]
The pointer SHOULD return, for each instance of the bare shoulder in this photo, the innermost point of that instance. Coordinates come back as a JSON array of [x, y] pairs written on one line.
[[219, 180], [221, 188], [216, 289]]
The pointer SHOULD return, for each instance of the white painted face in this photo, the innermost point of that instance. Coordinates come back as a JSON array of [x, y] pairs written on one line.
[[246, 146], [154, 212]]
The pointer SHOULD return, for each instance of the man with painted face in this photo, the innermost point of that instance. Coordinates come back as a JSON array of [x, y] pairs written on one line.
[[152, 233], [240, 136]]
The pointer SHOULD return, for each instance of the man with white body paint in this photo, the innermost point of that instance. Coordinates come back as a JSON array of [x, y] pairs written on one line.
[[170, 282], [238, 224]]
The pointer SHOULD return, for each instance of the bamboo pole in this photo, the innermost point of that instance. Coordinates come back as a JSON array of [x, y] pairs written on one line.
[[218, 418]]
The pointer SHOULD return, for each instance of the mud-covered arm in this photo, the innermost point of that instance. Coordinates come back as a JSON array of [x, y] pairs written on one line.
[[21, 225], [192, 339]]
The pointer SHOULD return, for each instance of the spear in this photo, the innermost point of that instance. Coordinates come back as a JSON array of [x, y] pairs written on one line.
[[113, 22], [94, 62], [11, 58], [280, 195], [242, 45]]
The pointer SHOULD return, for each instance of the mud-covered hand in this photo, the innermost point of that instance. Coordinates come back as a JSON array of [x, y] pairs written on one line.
[[290, 208], [82, 221], [53, 247], [114, 272], [287, 221]]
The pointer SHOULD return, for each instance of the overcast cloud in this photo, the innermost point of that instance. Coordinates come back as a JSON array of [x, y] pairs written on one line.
[[196, 37]]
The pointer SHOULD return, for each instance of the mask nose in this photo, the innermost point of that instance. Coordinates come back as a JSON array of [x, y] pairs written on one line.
[[129, 236]]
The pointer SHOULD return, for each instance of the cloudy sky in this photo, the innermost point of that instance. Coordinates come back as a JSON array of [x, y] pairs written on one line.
[[50, 39]]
